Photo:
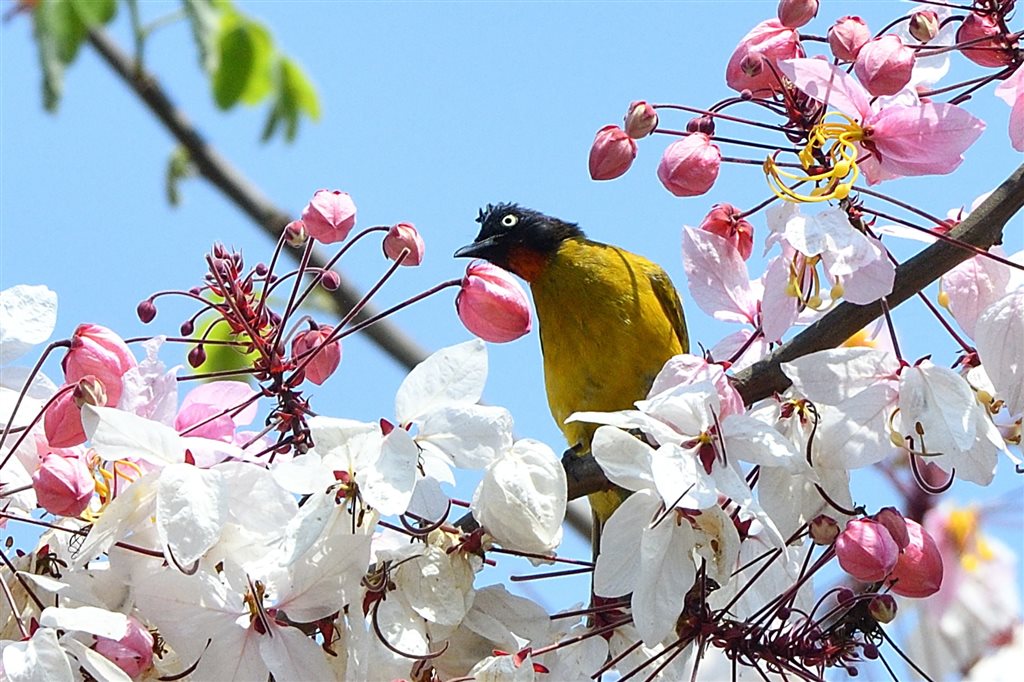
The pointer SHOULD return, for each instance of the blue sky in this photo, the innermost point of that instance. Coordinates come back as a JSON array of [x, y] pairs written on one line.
[[430, 110]]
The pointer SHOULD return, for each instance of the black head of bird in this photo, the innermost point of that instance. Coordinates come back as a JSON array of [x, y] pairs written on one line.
[[517, 239]]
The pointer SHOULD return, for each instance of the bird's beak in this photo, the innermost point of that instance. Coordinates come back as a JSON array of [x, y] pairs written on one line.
[[478, 249]]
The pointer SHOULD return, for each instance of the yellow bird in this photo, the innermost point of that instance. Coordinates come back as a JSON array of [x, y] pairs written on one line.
[[609, 319]]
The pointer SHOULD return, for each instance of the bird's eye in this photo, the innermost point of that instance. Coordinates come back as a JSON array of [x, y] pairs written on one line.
[[510, 220]]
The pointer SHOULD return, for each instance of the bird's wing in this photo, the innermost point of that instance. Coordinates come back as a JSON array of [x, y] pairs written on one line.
[[668, 297]]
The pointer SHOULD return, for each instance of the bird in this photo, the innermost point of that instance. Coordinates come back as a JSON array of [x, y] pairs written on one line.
[[609, 319]]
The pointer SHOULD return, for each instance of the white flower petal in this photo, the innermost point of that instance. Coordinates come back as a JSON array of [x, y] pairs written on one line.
[[28, 314], [387, 485], [939, 403], [40, 659], [191, 508], [718, 277], [666, 574], [119, 435], [624, 458], [752, 441], [834, 375], [618, 564], [471, 435], [522, 498], [95, 621], [999, 335], [291, 655], [451, 375]]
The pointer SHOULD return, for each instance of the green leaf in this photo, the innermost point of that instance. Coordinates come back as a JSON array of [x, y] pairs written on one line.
[[222, 358], [49, 59], [245, 54], [62, 24], [295, 96], [179, 167], [95, 12], [204, 18]]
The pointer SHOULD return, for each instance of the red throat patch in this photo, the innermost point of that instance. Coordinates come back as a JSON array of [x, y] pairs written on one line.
[[526, 262]]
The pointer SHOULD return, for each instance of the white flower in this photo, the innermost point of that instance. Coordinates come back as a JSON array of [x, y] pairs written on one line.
[[522, 498], [1000, 338], [852, 259]]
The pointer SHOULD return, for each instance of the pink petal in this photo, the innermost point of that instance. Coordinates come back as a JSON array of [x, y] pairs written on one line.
[[923, 140], [1011, 91], [718, 277], [830, 84]]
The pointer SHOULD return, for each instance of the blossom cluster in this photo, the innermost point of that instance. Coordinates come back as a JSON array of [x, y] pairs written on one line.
[[176, 540]]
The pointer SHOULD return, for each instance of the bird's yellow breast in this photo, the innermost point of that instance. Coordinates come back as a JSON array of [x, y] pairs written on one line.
[[606, 329]]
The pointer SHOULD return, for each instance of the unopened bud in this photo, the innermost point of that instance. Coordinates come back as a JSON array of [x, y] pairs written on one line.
[[796, 13], [326, 358], [146, 310], [330, 280], [847, 36], [690, 166], [824, 530], [196, 356], [893, 520], [295, 233], [884, 65], [641, 120], [866, 550], [882, 608], [994, 52], [919, 570], [845, 596], [186, 328], [611, 153], [404, 236], [329, 216], [924, 25], [492, 304], [63, 485]]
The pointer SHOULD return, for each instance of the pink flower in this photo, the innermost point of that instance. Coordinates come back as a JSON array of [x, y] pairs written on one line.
[[847, 36], [404, 236], [329, 216], [133, 653], [612, 153], [63, 485], [903, 140], [641, 120], [211, 410], [723, 221], [866, 550], [690, 166], [100, 352], [884, 65], [918, 571], [492, 304], [326, 358], [796, 13], [753, 62], [1011, 91], [994, 52]]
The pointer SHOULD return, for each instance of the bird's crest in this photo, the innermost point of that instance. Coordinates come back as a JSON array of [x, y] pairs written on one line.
[[490, 209]]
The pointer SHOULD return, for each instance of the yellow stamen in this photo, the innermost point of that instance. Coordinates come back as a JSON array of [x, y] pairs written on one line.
[[830, 144]]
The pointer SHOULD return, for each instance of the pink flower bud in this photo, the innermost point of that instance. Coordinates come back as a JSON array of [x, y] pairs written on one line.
[[100, 352], [754, 62], [995, 52], [404, 236], [330, 280], [690, 166], [296, 234], [882, 608], [62, 422], [796, 13], [884, 65], [326, 359], [641, 120], [492, 304], [146, 311], [63, 485], [924, 25], [133, 653], [918, 571], [723, 221], [847, 36], [824, 530], [866, 550], [896, 524], [612, 153], [329, 216]]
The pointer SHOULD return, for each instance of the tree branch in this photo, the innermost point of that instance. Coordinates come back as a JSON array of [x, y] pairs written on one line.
[[982, 228], [246, 196]]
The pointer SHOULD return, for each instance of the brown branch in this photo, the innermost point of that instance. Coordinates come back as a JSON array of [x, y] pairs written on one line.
[[246, 196], [982, 228]]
